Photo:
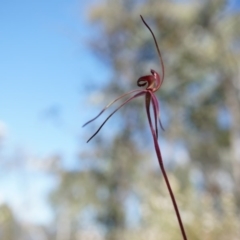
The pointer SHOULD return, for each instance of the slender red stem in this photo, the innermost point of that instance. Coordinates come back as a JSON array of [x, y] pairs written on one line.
[[160, 161]]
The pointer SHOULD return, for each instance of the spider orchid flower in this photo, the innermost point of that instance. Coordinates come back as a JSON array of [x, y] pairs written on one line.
[[152, 83]]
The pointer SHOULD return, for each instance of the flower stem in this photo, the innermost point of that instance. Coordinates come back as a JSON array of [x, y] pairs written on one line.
[[170, 192], [160, 161]]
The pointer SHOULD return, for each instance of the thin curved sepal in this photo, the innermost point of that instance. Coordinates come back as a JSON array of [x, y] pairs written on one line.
[[158, 50], [128, 100], [111, 103]]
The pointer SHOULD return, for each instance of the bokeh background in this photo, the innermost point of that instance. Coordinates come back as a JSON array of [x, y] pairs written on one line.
[[61, 62]]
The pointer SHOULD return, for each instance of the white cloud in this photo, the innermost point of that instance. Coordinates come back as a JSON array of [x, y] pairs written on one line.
[[3, 130]]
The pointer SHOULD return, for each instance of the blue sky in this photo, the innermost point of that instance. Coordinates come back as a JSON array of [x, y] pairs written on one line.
[[44, 64]]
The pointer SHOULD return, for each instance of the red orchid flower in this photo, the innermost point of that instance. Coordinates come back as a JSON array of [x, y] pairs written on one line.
[[152, 82]]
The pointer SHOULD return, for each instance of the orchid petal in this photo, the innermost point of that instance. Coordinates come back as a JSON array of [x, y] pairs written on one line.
[[148, 100], [146, 80], [158, 111]]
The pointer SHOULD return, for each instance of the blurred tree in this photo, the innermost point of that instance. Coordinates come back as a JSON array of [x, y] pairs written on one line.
[[7, 223], [200, 104]]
